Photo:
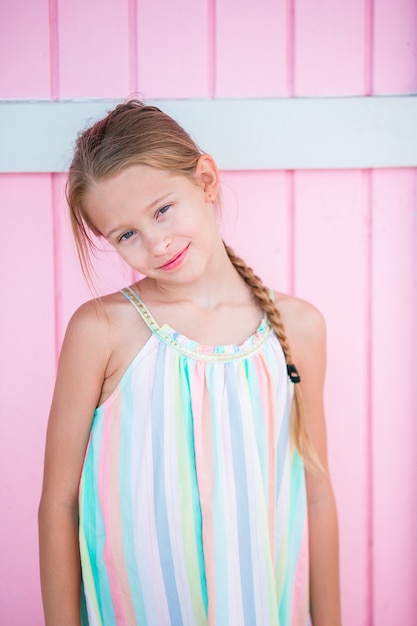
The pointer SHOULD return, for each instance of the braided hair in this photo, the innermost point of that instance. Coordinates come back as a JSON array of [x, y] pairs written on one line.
[[298, 430]]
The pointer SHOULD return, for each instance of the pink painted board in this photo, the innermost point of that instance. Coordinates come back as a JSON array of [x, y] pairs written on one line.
[[72, 289], [395, 46], [255, 222], [251, 49], [27, 348], [394, 396], [331, 258], [24, 49], [93, 49], [330, 48], [173, 49]]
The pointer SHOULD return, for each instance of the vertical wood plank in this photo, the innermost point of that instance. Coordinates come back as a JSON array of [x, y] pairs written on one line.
[[395, 47], [251, 49], [255, 222], [24, 49], [394, 398], [93, 49], [173, 55], [27, 348], [70, 288], [331, 262], [330, 48]]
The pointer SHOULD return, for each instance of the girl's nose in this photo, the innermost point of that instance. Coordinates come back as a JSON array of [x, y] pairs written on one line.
[[157, 241]]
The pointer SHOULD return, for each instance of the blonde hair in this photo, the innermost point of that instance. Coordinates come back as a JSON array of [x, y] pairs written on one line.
[[137, 134]]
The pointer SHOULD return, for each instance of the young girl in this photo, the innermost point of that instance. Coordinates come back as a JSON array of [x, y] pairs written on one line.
[[185, 481]]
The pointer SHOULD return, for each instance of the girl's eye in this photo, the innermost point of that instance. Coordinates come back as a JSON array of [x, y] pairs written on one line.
[[127, 235], [163, 210]]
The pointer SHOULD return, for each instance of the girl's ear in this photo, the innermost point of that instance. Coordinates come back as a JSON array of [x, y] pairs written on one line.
[[208, 177]]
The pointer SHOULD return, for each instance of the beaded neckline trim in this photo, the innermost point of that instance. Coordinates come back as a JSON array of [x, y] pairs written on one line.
[[192, 348]]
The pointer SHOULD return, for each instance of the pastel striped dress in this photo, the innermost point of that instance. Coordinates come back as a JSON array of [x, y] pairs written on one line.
[[192, 502]]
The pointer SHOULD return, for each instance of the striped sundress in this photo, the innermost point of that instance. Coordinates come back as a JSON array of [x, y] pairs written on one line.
[[192, 503]]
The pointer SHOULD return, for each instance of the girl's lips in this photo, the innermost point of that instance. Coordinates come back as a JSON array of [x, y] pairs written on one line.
[[175, 261]]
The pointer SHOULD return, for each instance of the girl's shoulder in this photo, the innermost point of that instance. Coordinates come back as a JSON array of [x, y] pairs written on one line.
[[298, 313], [110, 330], [96, 317], [111, 317], [304, 324], [103, 312]]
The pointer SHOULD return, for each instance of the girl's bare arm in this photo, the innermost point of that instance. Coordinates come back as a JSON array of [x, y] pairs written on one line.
[[307, 335], [80, 376]]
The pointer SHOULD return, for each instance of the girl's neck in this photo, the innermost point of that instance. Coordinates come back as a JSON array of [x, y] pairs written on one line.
[[218, 286]]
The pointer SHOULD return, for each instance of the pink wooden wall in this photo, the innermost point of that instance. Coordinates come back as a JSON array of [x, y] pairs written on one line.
[[345, 240]]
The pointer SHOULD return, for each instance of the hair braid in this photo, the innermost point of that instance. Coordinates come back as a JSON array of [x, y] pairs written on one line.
[[261, 293]]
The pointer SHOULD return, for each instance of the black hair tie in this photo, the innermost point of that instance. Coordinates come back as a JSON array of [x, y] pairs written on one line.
[[293, 373]]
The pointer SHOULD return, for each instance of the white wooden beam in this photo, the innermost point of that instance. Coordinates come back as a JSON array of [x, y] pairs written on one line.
[[243, 134]]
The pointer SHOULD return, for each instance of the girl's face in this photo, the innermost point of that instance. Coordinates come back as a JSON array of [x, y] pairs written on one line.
[[163, 225]]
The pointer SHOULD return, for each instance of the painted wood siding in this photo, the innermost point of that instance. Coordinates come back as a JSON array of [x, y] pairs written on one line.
[[346, 240]]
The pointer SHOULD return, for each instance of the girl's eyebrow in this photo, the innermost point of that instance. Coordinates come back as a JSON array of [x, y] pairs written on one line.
[[148, 208]]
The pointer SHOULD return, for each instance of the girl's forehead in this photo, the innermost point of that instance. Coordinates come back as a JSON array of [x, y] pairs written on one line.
[[137, 186], [140, 174], [140, 178]]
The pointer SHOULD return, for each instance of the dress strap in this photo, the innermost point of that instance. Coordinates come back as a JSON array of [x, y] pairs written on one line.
[[141, 308]]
